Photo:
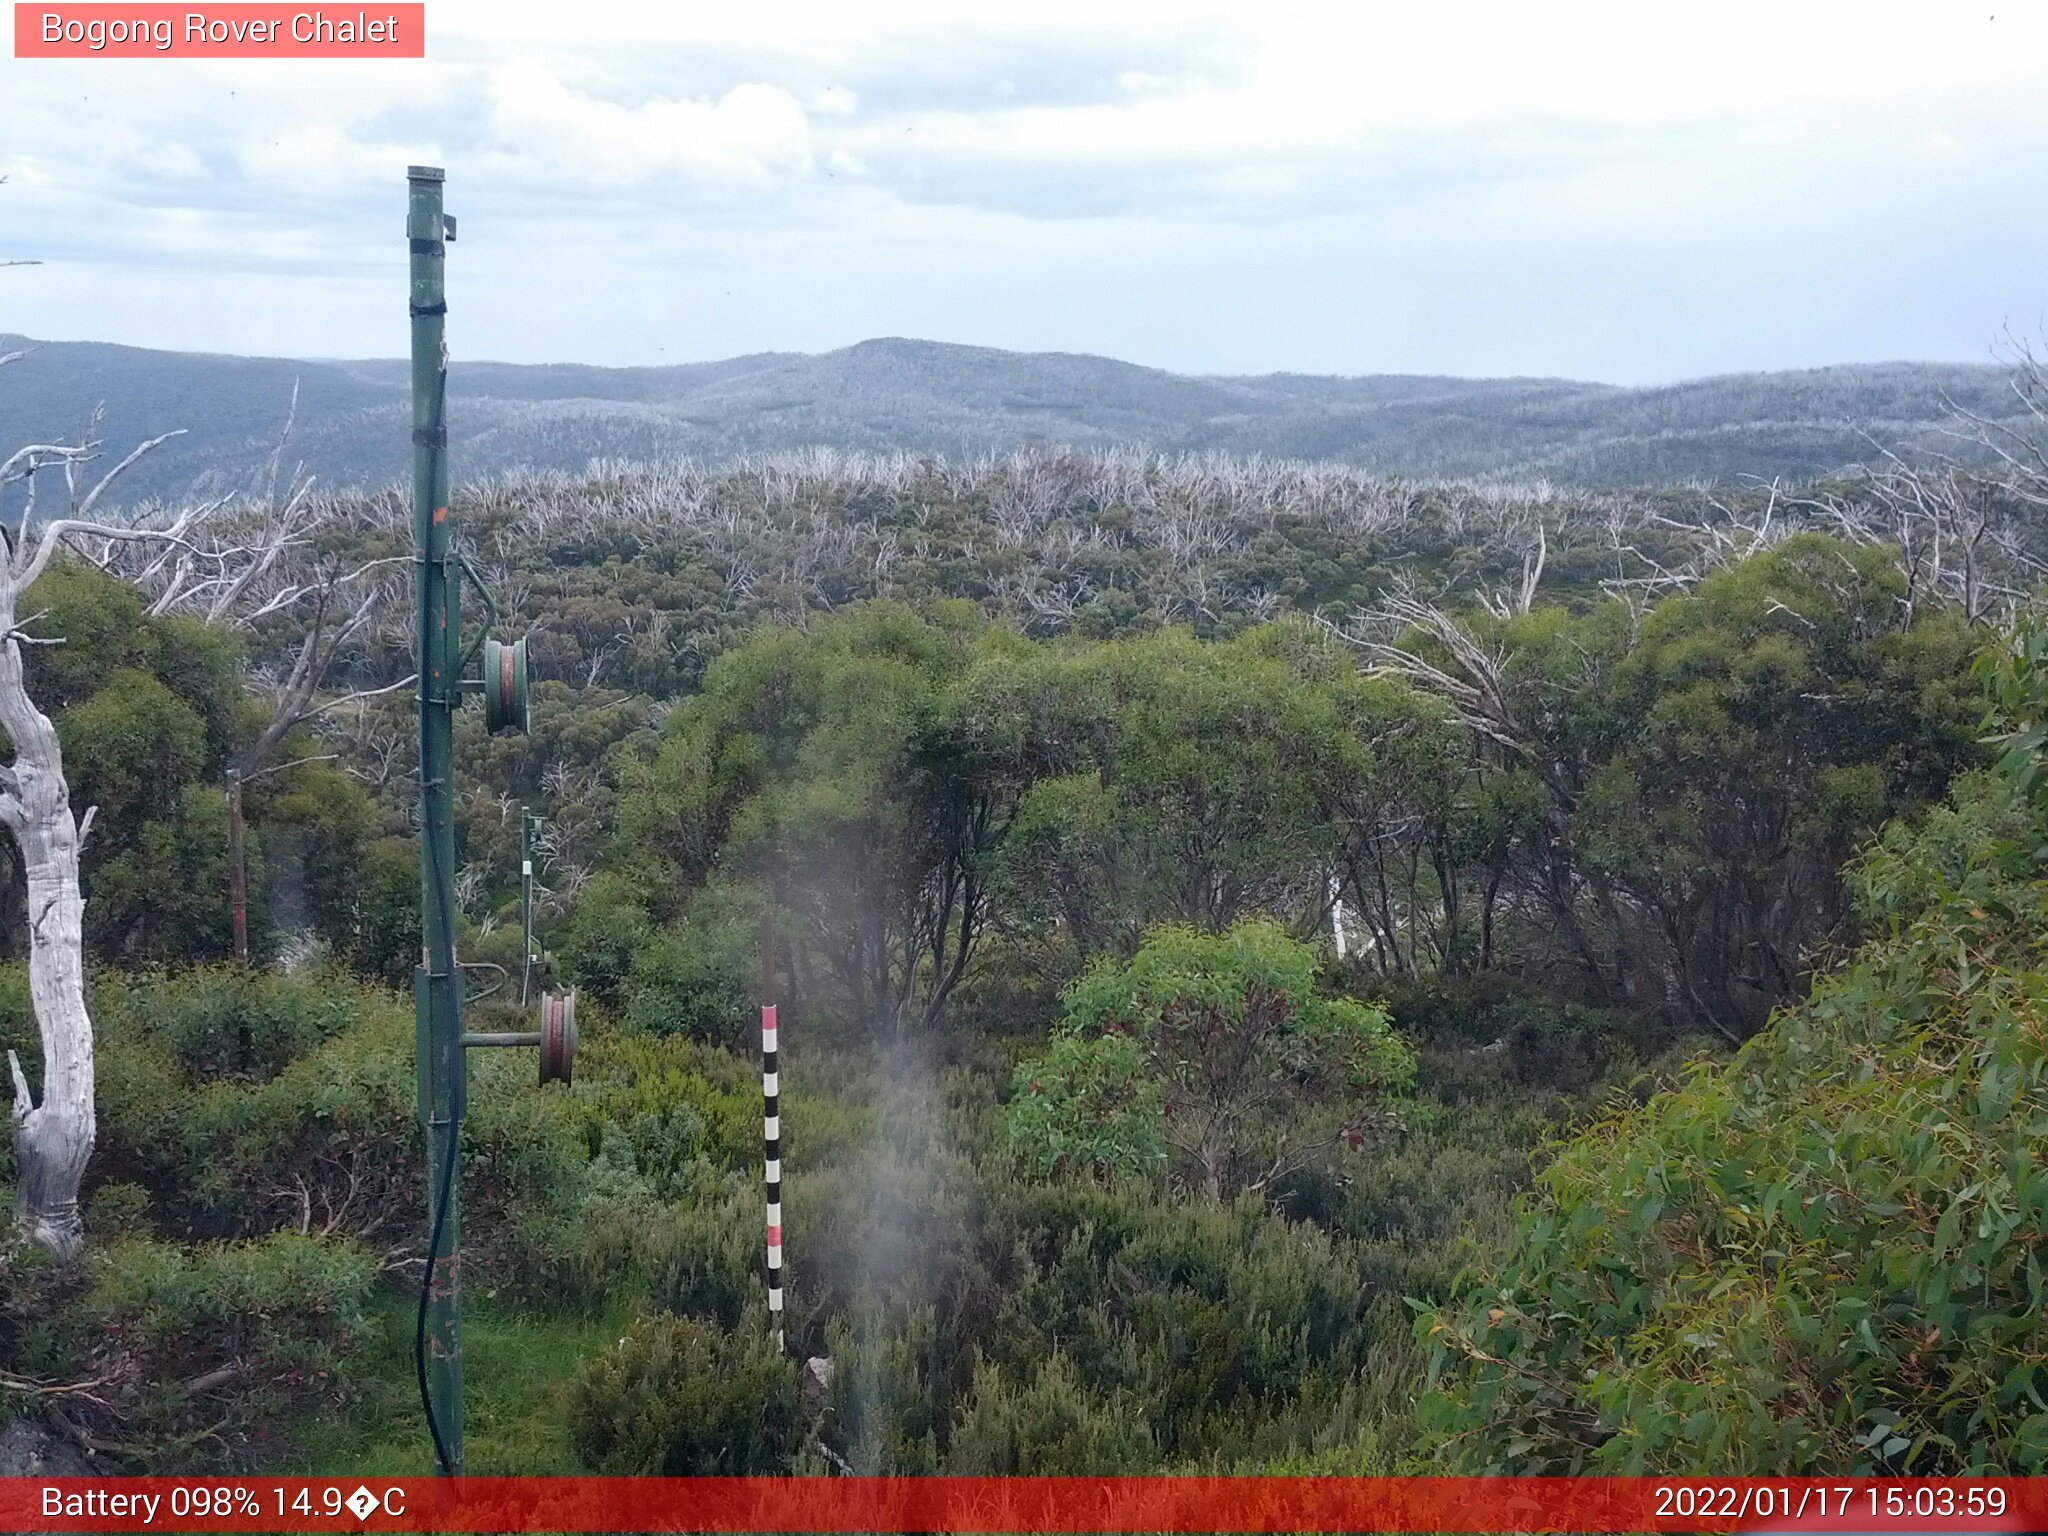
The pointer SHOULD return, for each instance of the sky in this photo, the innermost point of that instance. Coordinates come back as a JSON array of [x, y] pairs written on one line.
[[1632, 193]]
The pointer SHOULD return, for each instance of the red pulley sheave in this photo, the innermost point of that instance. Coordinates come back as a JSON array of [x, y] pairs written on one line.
[[505, 688], [557, 1036]]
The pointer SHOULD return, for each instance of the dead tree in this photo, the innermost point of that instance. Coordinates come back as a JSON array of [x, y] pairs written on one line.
[[53, 1139], [2018, 447], [1471, 676], [258, 589], [1958, 526], [336, 605], [1504, 605], [53, 1136], [1939, 523]]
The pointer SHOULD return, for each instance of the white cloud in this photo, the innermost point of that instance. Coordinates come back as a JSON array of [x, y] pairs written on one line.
[[319, 154], [752, 134], [171, 162], [1188, 182]]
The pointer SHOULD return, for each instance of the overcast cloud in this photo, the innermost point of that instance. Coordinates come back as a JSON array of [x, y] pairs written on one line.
[[1630, 193]]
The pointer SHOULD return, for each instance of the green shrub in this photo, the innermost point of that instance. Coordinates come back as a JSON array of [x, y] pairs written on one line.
[[698, 976], [1086, 1107], [1529, 1037], [221, 1339], [1821, 1257], [133, 912], [1049, 1423], [1252, 1069], [608, 927], [884, 1410], [660, 1104], [117, 1210], [230, 1021], [34, 1289], [331, 1143], [707, 1260], [1215, 1330], [375, 927], [582, 1248], [283, 1300], [686, 1398]]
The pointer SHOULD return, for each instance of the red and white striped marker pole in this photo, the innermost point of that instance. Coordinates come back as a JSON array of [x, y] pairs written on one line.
[[771, 1133]]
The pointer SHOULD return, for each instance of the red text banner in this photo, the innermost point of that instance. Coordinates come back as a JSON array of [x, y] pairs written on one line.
[[1019, 1504], [225, 31]]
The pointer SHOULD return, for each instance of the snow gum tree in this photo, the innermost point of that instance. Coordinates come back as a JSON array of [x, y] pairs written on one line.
[[54, 1132]]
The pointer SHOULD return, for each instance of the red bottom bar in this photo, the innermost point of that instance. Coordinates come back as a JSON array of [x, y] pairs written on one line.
[[1006, 1504]]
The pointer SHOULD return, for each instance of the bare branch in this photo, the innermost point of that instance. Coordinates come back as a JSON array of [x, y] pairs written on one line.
[[297, 762], [24, 1102], [84, 508], [36, 457], [55, 533], [361, 693]]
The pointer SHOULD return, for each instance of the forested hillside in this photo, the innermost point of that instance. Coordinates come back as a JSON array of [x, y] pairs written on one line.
[[899, 396], [1282, 969]]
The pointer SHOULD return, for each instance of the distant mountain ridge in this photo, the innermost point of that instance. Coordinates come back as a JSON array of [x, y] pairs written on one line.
[[896, 395]]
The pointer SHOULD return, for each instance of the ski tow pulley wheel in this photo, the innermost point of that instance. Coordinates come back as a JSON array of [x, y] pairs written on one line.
[[505, 700], [557, 1036]]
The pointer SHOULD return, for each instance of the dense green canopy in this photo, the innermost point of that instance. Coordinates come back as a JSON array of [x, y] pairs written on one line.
[[1821, 1256], [1100, 1156]]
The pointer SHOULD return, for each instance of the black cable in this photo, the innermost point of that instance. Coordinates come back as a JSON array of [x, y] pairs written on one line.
[[442, 1198], [443, 889], [419, 1342]]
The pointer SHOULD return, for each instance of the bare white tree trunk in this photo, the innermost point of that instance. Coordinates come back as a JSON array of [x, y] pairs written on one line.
[[52, 1139], [221, 580]]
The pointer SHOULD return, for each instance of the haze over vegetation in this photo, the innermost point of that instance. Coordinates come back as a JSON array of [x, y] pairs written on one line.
[[898, 396], [1338, 909], [1668, 1107]]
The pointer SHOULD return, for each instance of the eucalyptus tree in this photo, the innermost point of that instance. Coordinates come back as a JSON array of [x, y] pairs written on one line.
[[861, 772], [1705, 766], [1192, 788], [54, 1133], [1213, 1056]]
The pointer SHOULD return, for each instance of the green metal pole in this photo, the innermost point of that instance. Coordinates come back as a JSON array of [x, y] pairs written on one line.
[[443, 1079]]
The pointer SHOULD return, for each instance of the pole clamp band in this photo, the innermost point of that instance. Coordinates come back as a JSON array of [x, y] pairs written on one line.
[[430, 437], [427, 248], [421, 311]]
